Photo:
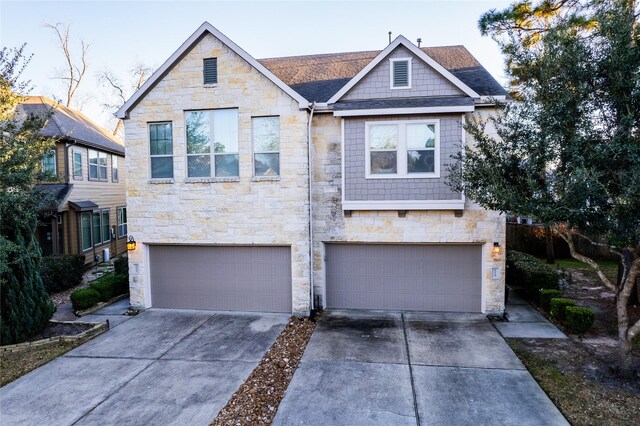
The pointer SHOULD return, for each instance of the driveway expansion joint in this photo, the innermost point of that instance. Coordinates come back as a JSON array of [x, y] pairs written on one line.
[[413, 387]]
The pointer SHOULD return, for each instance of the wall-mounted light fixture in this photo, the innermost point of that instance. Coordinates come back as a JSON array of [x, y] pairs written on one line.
[[131, 244], [496, 248]]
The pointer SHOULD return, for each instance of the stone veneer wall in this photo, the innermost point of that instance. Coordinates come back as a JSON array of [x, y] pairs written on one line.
[[477, 225], [242, 212]]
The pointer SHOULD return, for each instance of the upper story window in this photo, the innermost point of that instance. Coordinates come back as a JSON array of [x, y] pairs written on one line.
[[401, 73], [212, 143], [77, 165], [114, 168], [402, 149], [266, 146], [97, 165], [49, 162], [161, 150], [210, 70]]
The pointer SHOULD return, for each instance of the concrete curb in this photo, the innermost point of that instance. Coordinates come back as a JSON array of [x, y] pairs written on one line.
[[101, 305], [97, 329]]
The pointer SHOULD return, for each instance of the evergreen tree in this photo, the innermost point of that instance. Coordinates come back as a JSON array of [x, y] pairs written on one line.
[[25, 306], [567, 149]]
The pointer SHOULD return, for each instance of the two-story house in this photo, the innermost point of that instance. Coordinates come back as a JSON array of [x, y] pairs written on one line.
[[90, 215], [288, 184]]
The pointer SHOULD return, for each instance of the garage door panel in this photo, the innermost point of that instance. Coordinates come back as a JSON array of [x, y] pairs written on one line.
[[221, 278], [404, 277]]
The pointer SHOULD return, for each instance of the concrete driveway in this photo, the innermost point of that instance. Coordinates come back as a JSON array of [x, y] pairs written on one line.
[[161, 367], [374, 368]]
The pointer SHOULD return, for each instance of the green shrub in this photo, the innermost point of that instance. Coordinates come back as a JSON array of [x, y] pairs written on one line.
[[84, 299], [111, 285], [61, 272], [558, 306], [526, 271], [121, 266], [579, 319], [546, 294]]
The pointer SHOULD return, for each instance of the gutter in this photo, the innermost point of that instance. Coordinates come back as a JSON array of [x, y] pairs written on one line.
[[312, 106]]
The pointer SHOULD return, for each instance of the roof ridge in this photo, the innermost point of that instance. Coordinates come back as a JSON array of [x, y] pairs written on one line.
[[353, 52]]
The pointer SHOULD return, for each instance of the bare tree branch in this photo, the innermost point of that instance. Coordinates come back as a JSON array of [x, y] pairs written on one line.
[[74, 73]]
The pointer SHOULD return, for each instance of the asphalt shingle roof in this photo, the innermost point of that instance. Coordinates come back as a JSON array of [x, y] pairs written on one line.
[[57, 191], [318, 77], [68, 123]]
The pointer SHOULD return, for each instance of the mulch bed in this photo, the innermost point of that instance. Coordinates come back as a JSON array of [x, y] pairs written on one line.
[[58, 329], [257, 400]]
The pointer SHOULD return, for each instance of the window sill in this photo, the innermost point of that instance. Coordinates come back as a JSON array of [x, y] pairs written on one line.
[[408, 176], [265, 179], [159, 181], [98, 180], [210, 85], [212, 179]]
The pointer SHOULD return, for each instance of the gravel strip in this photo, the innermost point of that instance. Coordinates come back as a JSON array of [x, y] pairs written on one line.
[[257, 400]]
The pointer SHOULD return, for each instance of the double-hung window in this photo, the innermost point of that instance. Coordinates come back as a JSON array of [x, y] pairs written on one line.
[[97, 165], [212, 143], [122, 222], [266, 146], [408, 149], [161, 150], [49, 162], [114, 168], [77, 165]]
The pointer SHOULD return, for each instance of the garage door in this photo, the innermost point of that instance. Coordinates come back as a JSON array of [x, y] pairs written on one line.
[[221, 278], [404, 277]]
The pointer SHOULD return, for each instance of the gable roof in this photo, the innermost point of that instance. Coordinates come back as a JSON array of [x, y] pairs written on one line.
[[69, 123], [184, 49], [319, 77]]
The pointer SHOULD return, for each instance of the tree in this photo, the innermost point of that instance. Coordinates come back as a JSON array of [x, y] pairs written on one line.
[[73, 72], [567, 150], [138, 74], [25, 306]]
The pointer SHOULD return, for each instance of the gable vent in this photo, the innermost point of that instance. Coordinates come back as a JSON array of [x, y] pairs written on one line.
[[210, 71], [400, 73]]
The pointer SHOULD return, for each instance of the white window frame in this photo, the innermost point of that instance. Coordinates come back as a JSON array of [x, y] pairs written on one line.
[[254, 151], [55, 161], [73, 164], [401, 150], [115, 170], [392, 61], [212, 153], [99, 155], [122, 226], [173, 145]]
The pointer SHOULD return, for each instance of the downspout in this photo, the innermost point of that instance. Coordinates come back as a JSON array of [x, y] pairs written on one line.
[[310, 162]]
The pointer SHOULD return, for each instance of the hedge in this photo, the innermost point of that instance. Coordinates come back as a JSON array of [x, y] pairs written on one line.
[[104, 289], [527, 272], [84, 299], [61, 272], [558, 307], [579, 319], [121, 266], [546, 294]]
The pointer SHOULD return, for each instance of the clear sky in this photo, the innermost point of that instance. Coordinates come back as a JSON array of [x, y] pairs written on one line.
[[121, 33]]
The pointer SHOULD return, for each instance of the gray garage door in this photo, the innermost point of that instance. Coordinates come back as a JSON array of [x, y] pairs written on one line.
[[221, 278], [404, 277]]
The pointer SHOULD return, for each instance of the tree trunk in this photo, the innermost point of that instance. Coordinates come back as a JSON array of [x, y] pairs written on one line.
[[548, 236], [630, 270]]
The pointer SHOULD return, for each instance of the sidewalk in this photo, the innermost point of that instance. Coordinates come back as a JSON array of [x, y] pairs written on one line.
[[525, 322]]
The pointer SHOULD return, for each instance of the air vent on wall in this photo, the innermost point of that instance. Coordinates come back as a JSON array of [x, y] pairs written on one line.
[[210, 71]]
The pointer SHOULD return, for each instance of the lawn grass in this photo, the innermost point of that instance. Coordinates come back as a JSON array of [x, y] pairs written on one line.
[[581, 400], [16, 364]]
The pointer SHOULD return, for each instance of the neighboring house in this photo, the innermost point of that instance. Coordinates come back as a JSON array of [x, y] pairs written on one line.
[[90, 215], [232, 211]]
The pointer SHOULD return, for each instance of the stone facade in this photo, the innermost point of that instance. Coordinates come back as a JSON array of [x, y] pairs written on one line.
[[244, 211], [476, 226]]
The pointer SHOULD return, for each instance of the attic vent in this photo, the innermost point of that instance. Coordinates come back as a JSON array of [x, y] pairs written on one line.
[[210, 71], [400, 74]]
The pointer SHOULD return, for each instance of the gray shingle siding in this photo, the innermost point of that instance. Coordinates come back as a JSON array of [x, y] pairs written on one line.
[[425, 81], [357, 188]]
